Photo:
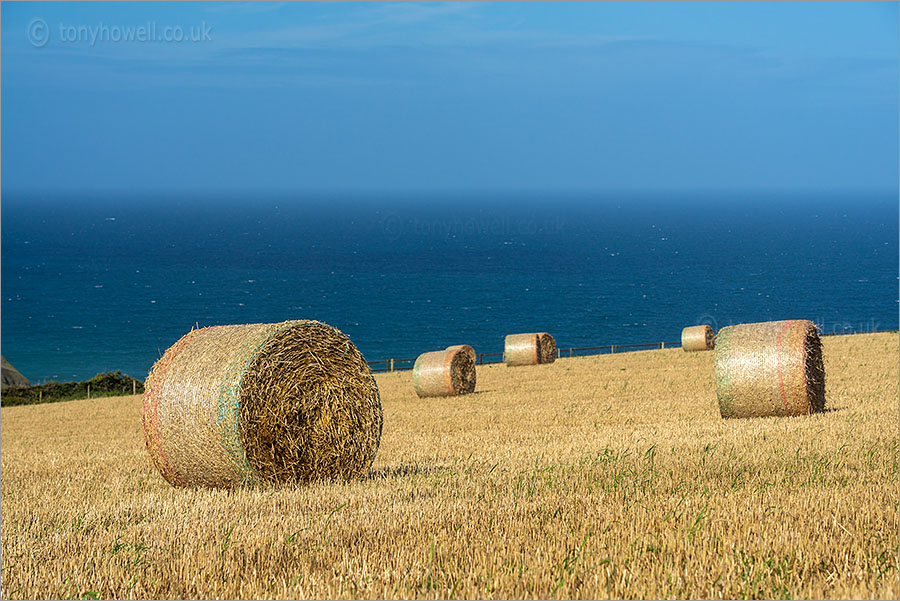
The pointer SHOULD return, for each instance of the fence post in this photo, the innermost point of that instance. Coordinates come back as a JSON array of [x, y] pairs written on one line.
[[89, 390], [612, 349], [134, 387], [392, 364], [662, 345], [40, 396]]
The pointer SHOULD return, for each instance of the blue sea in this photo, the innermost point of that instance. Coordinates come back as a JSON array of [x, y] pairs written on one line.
[[92, 284]]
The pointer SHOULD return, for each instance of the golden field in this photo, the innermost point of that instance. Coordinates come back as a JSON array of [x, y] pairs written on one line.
[[605, 476]]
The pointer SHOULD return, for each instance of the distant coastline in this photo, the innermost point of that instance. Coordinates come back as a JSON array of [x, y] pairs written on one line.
[[11, 375]]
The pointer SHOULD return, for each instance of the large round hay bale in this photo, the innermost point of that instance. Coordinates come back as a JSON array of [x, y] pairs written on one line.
[[529, 349], [450, 372], [698, 338], [769, 369], [244, 404]]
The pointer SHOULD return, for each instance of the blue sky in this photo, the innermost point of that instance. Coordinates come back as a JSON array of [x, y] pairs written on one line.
[[451, 96]]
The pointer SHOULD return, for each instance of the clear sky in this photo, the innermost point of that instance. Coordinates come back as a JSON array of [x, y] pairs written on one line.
[[449, 96]]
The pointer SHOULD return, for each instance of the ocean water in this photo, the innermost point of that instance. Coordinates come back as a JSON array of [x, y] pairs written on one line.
[[96, 284]]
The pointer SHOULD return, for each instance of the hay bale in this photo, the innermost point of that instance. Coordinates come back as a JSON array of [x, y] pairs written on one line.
[[529, 349], [244, 404], [450, 372], [464, 347], [698, 338], [769, 369], [546, 348]]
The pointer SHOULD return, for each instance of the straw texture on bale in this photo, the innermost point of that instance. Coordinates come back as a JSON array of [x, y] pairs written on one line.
[[246, 404], [769, 369], [450, 372], [529, 349], [698, 338], [464, 347], [546, 348]]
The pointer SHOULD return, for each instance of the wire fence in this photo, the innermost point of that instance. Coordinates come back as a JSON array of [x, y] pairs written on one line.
[[388, 365]]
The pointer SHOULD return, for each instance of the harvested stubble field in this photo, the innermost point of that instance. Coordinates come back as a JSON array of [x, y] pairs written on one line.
[[606, 476]]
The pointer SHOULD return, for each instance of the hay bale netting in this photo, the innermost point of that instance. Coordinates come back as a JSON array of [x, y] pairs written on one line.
[[529, 349], [769, 369], [698, 338], [244, 404], [450, 372]]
